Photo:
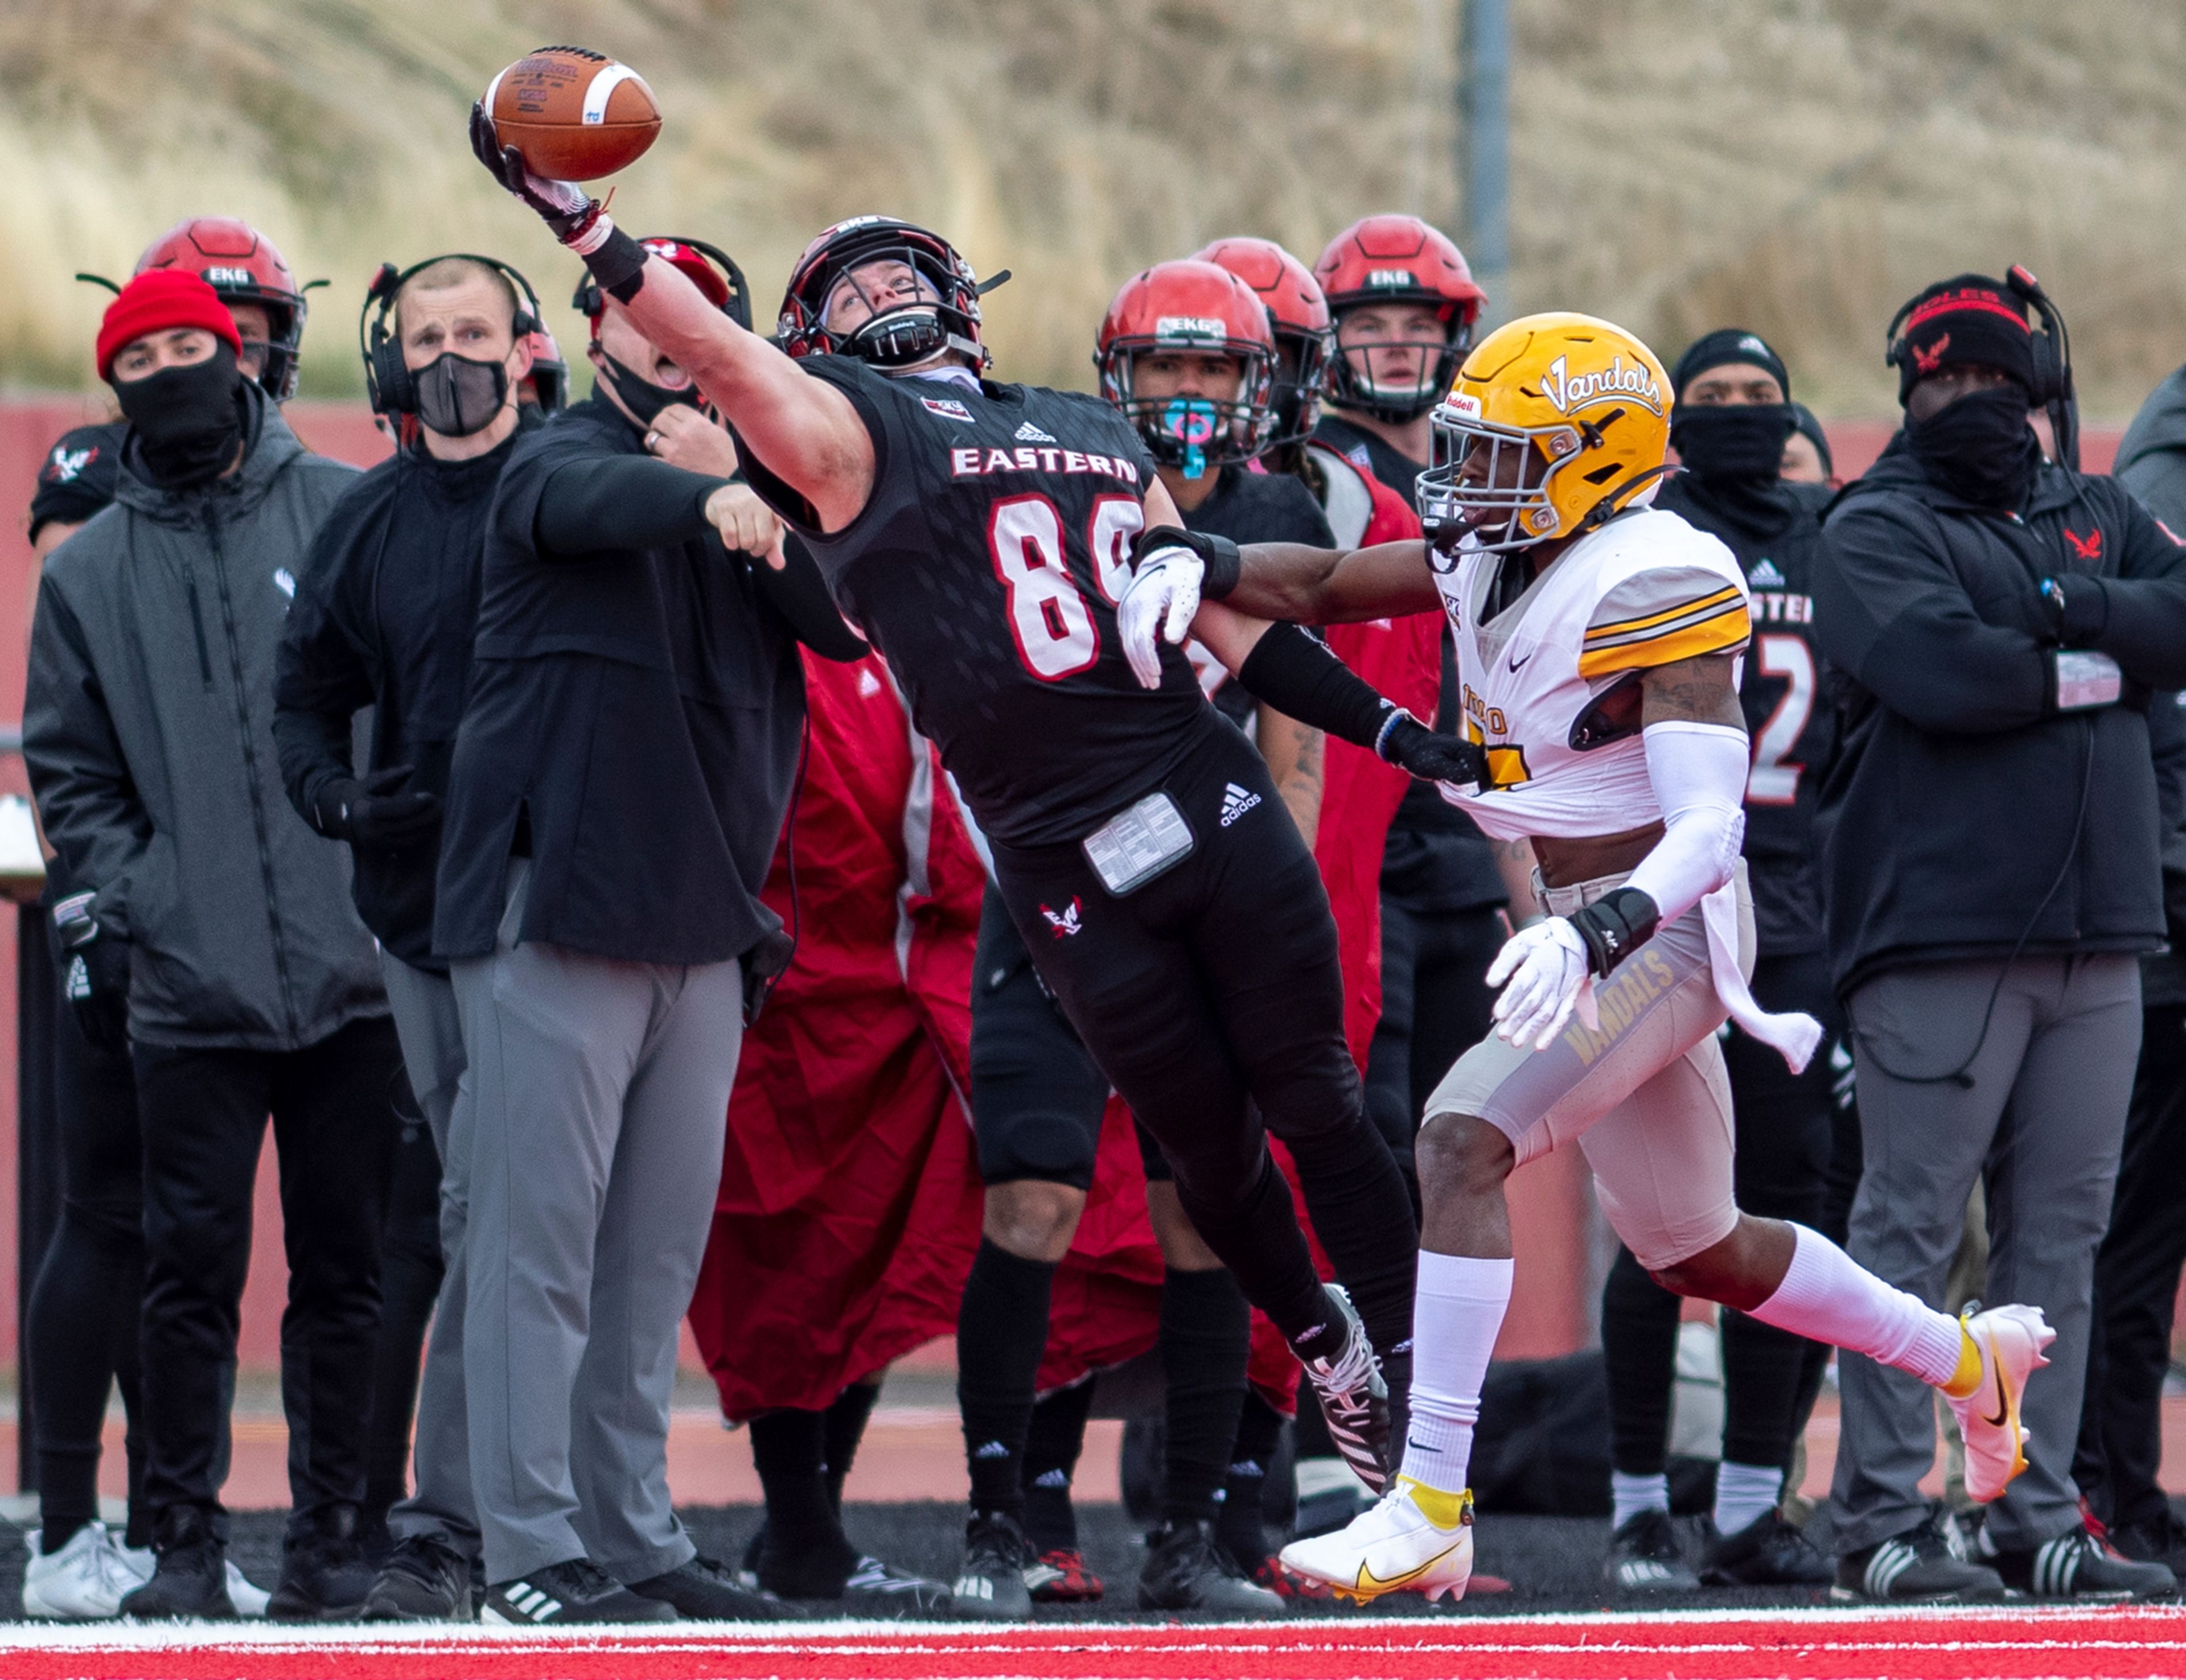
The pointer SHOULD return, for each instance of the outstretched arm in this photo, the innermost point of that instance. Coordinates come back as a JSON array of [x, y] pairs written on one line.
[[803, 430], [1333, 586]]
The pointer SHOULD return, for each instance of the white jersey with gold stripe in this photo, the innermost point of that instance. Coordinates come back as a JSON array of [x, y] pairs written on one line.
[[1548, 683]]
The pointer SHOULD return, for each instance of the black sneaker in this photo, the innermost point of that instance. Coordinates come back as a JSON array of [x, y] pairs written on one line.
[[1354, 1401], [881, 1590], [1920, 1566], [422, 1580], [702, 1590], [991, 1585], [566, 1592], [2163, 1541], [1768, 1552], [1186, 1570], [2073, 1566], [325, 1574], [1644, 1557], [190, 1576]]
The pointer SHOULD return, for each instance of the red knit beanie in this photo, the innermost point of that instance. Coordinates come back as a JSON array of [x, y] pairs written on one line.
[[159, 300]]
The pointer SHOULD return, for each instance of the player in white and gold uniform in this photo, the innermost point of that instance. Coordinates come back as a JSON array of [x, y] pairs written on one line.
[[1597, 645]]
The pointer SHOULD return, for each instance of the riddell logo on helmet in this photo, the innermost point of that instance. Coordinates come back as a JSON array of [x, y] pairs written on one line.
[[1390, 278], [1568, 392], [1465, 403], [1188, 327]]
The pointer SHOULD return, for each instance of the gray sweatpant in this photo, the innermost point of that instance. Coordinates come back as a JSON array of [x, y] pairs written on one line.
[[2042, 1125], [599, 1102], [425, 1021]]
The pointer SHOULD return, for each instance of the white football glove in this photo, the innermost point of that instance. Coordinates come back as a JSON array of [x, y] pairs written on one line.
[[1546, 965], [1159, 602]]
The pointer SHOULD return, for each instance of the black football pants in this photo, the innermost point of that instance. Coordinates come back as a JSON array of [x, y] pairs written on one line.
[[1784, 1136], [2137, 1270], [1215, 989], [80, 1330], [334, 1107]]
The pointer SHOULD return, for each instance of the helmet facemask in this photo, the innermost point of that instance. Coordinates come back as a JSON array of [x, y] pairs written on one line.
[[1353, 383], [1301, 365], [1491, 483], [1193, 432], [897, 334]]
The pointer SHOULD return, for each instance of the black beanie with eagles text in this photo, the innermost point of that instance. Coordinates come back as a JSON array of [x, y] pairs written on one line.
[[1969, 318]]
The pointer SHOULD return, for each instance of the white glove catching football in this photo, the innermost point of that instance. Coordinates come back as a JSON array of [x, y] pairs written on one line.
[[1546, 966], [1158, 605]]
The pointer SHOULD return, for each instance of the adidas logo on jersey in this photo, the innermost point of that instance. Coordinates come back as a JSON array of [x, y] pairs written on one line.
[[1764, 575], [1029, 432], [1236, 802]]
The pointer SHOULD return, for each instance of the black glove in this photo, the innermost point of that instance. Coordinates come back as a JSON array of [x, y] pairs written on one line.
[[370, 813], [566, 207], [2079, 609], [96, 977], [1411, 745]]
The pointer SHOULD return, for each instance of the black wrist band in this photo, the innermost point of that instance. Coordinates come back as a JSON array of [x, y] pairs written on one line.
[[1223, 564], [619, 265], [1614, 926]]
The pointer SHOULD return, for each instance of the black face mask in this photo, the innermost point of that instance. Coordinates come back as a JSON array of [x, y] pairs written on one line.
[[457, 396], [1732, 439], [642, 397], [1979, 448], [186, 421]]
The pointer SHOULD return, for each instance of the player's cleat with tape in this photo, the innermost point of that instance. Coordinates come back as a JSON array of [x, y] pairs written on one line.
[[2011, 1340], [1354, 1401], [1061, 1577], [992, 1585], [1418, 1539]]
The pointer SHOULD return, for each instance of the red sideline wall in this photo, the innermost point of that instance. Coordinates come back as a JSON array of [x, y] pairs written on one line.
[[1549, 1314]]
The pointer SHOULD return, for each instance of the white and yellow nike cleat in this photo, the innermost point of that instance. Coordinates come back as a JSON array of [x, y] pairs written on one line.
[[2009, 1341], [1418, 1539]]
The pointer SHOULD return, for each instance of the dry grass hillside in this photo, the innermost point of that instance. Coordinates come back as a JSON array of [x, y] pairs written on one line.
[[1797, 164]]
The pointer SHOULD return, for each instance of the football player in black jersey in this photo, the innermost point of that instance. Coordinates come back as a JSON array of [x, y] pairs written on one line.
[[1730, 426], [979, 534]]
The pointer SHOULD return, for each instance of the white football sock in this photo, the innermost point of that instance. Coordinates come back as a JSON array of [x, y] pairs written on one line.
[[1744, 1493], [1456, 1315], [1629, 1495], [1826, 1297]]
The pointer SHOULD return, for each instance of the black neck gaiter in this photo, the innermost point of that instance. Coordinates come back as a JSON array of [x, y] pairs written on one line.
[[187, 420], [1979, 448], [1732, 453], [642, 397]]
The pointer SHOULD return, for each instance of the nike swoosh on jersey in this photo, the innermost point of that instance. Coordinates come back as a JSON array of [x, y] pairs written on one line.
[[1515, 661], [1370, 1582]]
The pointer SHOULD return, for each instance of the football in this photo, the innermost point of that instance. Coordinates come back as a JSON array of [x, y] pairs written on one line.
[[575, 115]]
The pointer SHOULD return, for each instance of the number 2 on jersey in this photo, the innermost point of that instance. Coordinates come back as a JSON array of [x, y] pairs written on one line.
[[1774, 781], [1053, 627]]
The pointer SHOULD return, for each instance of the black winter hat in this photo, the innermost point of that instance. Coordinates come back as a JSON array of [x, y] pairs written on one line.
[[1970, 318], [1723, 348]]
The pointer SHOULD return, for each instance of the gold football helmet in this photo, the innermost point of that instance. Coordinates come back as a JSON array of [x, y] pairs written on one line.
[[1553, 422]]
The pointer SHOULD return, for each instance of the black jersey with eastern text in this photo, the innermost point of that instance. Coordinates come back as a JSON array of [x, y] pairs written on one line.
[[1793, 728], [986, 567]]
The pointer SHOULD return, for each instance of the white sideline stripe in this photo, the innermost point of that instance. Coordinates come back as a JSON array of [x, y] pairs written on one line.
[[603, 83], [845, 1637]]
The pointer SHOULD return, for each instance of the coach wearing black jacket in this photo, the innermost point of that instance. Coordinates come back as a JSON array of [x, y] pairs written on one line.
[[1991, 874], [619, 781], [384, 619]]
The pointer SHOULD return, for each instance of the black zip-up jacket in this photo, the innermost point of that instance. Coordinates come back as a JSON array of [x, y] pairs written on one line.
[[1955, 803], [384, 616], [148, 730], [636, 704]]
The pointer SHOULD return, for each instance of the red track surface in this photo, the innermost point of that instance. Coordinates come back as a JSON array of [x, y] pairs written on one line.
[[1932, 1646]]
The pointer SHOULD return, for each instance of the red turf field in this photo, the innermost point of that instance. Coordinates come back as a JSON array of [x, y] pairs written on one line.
[[1938, 1645]]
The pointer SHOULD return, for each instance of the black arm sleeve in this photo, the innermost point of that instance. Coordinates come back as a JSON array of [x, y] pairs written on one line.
[[799, 594], [1300, 679], [614, 502]]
